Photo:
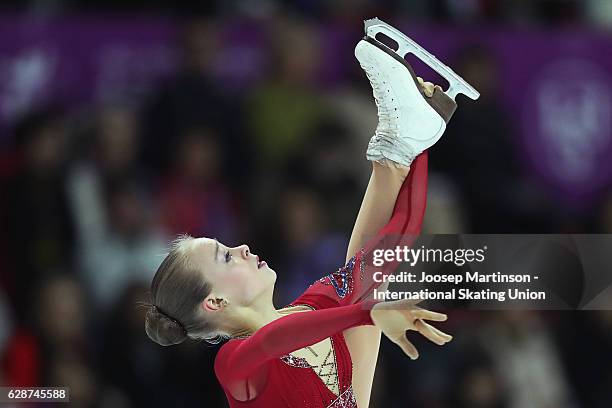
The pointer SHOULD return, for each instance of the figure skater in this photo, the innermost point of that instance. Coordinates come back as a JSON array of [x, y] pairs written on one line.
[[321, 350]]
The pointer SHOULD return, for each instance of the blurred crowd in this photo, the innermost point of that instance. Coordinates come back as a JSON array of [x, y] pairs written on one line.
[[92, 195], [535, 12]]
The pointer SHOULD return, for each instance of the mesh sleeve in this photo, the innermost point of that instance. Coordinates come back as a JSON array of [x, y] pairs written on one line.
[[242, 361]]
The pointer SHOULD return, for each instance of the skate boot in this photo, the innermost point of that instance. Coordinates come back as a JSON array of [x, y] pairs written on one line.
[[407, 122]]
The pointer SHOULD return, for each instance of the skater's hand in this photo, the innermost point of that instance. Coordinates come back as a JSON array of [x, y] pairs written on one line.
[[395, 318], [428, 87]]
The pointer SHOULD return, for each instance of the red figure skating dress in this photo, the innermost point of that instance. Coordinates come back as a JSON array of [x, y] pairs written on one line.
[[261, 368]]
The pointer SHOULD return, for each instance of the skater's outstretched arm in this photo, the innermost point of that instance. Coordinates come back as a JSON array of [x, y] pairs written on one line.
[[377, 205], [387, 208], [380, 197], [241, 362], [406, 220]]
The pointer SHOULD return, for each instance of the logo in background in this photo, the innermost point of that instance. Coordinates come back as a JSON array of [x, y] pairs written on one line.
[[569, 131]]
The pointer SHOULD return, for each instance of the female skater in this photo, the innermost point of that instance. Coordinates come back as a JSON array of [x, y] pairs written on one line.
[[321, 350]]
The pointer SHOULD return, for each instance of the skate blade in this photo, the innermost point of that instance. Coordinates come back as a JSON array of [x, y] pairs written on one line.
[[457, 85]]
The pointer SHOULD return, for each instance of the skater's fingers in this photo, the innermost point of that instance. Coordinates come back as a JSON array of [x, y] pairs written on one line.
[[428, 88], [406, 346], [429, 315], [446, 336], [439, 88], [428, 333]]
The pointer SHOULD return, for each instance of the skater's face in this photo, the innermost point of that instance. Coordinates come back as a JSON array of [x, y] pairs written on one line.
[[235, 274]]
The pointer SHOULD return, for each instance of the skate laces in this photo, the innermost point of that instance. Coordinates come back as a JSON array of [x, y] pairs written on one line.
[[386, 142], [385, 100]]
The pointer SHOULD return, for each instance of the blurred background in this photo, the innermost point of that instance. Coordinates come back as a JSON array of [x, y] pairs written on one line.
[[125, 123]]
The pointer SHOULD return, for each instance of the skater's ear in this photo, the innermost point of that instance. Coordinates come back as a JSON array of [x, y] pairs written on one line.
[[214, 303]]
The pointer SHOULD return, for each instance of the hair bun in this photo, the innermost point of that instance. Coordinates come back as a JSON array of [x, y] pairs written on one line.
[[162, 329]]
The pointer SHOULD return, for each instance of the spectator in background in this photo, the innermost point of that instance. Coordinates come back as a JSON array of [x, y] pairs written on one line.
[[189, 98], [120, 239], [78, 377], [351, 104], [309, 248], [479, 156], [320, 174], [116, 144], [286, 108], [65, 347], [61, 311], [134, 367], [527, 360], [479, 385], [106, 159], [56, 333], [109, 152], [195, 198], [130, 365], [126, 246], [445, 213], [326, 163], [35, 205]]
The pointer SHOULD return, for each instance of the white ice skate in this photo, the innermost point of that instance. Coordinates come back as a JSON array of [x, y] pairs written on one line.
[[409, 121]]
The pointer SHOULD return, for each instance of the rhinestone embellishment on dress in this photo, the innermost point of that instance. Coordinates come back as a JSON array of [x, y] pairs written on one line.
[[293, 361], [361, 263], [342, 279], [345, 400]]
